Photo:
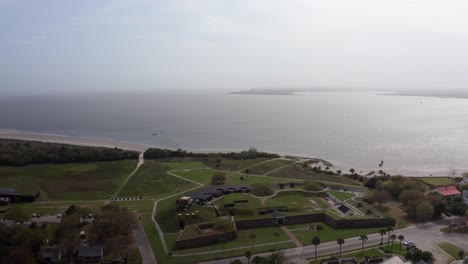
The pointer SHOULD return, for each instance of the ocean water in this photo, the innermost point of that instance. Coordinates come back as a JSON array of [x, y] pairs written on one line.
[[358, 128]]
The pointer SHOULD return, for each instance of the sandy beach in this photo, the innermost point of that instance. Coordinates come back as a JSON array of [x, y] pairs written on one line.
[[337, 165]]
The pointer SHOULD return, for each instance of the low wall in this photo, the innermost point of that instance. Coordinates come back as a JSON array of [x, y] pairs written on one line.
[[204, 241], [317, 217]]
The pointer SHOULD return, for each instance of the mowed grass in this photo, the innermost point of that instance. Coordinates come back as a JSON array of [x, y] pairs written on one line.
[[294, 171], [151, 180], [291, 199], [232, 164], [437, 181], [241, 211], [328, 233], [451, 249], [342, 195], [73, 181], [268, 166], [204, 176], [167, 215]]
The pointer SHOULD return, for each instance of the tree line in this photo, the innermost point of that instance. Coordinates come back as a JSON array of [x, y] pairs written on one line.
[[252, 153], [22, 153]]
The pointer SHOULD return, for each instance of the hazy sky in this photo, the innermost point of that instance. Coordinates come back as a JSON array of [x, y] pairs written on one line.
[[75, 46]]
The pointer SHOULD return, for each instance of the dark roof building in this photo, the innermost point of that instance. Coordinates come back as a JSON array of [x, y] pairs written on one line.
[[15, 196], [51, 254], [90, 254], [207, 193]]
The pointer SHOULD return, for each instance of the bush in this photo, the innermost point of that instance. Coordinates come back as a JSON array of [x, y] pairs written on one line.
[[262, 189], [312, 186]]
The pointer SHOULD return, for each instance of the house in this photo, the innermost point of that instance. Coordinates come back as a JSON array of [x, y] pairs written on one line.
[[51, 254], [448, 191], [395, 260], [90, 254], [465, 197], [14, 196], [4, 201]]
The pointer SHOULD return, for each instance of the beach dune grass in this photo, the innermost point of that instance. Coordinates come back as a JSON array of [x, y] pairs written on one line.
[[72, 181]]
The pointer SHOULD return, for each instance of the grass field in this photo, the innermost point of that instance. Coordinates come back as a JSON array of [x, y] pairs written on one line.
[[451, 249], [232, 164], [268, 166], [151, 180], [167, 215], [74, 181], [437, 181], [291, 199], [294, 171], [328, 233], [342, 195], [204, 176]]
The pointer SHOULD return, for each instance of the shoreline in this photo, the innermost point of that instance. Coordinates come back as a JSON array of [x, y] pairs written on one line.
[[99, 142]]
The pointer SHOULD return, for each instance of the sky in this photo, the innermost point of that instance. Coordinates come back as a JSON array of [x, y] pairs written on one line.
[[61, 46]]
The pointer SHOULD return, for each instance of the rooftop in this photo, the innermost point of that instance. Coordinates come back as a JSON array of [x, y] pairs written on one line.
[[448, 190], [6, 190], [90, 251]]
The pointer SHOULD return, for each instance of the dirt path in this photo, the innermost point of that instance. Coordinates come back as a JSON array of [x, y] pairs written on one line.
[[292, 237]]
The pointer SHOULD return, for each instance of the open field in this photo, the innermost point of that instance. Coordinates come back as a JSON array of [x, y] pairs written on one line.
[[328, 233], [437, 181], [268, 166], [298, 200], [294, 171], [451, 249], [204, 176], [73, 181], [232, 164], [342, 195], [167, 215], [151, 180]]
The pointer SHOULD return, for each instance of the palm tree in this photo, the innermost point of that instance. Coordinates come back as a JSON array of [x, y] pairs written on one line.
[[319, 228], [389, 230], [401, 238], [382, 232], [242, 179], [363, 238], [247, 171], [393, 237], [276, 234], [248, 255], [316, 242], [252, 236], [340, 242]]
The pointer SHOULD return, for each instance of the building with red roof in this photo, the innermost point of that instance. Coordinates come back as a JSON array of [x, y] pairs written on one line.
[[447, 191]]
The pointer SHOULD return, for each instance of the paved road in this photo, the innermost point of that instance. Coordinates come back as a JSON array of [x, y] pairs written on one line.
[[424, 235], [141, 241]]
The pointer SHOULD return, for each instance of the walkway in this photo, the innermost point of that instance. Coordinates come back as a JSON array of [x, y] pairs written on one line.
[[141, 160], [141, 241]]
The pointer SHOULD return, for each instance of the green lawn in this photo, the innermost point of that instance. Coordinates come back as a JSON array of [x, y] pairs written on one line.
[[437, 181], [291, 199], [294, 171], [328, 233], [181, 165], [232, 164], [167, 215], [342, 195], [268, 166], [451, 249], [151, 180], [204, 176], [264, 235], [321, 202], [73, 181]]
